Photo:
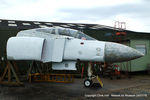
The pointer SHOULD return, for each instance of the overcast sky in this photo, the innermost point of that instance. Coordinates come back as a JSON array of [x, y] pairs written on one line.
[[136, 13]]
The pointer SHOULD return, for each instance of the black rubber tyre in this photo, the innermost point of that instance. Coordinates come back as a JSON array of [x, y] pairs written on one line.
[[87, 83]]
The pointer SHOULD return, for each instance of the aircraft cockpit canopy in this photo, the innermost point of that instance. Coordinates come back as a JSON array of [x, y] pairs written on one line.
[[66, 32]]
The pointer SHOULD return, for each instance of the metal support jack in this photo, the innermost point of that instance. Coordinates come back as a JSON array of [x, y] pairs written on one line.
[[82, 72], [34, 68], [9, 73]]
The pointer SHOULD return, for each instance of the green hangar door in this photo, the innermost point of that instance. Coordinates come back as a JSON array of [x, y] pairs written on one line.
[[143, 46]]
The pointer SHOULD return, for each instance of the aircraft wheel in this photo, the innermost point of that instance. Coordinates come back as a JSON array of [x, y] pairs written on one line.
[[87, 83]]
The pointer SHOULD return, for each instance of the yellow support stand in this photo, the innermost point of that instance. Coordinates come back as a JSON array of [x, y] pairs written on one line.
[[59, 78], [99, 80]]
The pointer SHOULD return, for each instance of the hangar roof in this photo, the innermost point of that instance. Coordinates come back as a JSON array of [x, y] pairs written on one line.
[[37, 24], [100, 32]]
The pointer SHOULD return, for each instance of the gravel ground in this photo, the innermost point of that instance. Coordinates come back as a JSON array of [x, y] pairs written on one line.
[[136, 88]]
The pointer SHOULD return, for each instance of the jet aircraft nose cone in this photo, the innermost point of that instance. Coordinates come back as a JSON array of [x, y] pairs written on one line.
[[115, 52]]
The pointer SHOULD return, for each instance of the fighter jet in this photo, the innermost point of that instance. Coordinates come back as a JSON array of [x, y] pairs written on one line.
[[64, 46]]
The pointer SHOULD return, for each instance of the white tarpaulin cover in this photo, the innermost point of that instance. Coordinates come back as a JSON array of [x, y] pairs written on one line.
[[25, 48], [86, 50], [53, 50], [35, 48], [65, 65]]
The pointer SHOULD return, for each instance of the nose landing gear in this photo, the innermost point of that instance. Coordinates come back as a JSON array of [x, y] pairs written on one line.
[[89, 82]]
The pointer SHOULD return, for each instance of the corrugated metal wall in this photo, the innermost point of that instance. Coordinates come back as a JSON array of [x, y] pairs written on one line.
[[4, 35], [140, 64]]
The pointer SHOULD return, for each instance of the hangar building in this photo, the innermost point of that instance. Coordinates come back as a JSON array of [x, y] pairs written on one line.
[[137, 40]]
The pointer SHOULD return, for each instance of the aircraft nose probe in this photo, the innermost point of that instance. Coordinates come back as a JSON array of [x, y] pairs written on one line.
[[115, 52]]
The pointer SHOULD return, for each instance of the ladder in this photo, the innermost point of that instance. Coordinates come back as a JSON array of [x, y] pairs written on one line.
[[120, 37]]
